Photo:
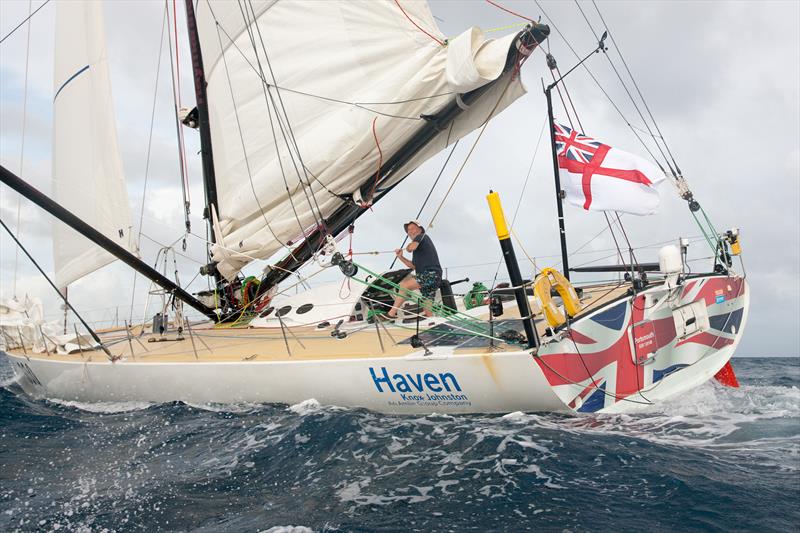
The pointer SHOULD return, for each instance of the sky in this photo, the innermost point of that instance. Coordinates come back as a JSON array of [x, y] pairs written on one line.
[[721, 78]]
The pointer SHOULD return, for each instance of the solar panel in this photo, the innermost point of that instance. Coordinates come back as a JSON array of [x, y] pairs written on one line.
[[467, 335]]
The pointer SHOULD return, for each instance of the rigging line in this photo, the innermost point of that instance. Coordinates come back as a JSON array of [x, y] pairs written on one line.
[[64, 298], [561, 97], [26, 19], [274, 135], [627, 91], [264, 81], [614, 236], [625, 234], [22, 142], [361, 105], [321, 219], [171, 247], [522, 193], [599, 86], [621, 226], [244, 150], [149, 146], [368, 201], [472, 148], [442, 43], [179, 133], [509, 11], [652, 118], [267, 99], [181, 140], [178, 83], [569, 98], [433, 187]]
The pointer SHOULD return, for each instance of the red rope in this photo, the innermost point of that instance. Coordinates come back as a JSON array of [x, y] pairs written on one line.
[[417, 25], [509, 11]]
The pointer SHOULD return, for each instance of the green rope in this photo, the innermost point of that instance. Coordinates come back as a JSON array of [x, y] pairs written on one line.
[[705, 233], [436, 308], [708, 220]]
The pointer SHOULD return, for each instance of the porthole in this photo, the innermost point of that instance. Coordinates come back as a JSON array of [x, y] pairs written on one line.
[[305, 308], [267, 311], [283, 310]]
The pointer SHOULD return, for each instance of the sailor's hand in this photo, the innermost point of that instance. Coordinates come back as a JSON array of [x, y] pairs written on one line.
[[398, 252]]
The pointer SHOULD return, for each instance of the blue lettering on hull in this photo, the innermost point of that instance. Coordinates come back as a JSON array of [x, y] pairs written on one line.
[[426, 388]]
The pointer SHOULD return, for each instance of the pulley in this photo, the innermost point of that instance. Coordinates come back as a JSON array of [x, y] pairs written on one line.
[[347, 267]]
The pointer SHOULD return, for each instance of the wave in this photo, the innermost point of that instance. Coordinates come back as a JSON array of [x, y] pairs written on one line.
[[103, 407]]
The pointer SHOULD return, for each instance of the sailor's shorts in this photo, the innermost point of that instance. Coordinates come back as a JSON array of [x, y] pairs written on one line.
[[429, 281]]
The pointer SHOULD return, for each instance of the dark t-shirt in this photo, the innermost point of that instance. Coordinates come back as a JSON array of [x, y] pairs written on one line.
[[425, 256]]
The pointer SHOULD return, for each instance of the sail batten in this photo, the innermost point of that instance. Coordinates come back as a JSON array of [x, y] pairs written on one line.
[[88, 177], [288, 152]]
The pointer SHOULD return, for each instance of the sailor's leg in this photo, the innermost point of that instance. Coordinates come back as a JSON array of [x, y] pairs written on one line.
[[409, 283]]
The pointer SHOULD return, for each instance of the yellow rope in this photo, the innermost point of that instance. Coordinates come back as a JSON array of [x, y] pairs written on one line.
[[532, 260]]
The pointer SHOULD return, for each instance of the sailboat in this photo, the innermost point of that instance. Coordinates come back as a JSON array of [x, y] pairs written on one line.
[[309, 114]]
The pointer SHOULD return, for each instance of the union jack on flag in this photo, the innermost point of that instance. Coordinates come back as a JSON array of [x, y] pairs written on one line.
[[581, 148], [597, 177]]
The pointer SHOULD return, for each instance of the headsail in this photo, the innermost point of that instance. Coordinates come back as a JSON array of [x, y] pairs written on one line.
[[347, 84], [88, 178]]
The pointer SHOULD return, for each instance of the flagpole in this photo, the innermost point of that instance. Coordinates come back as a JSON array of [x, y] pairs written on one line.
[[559, 194]]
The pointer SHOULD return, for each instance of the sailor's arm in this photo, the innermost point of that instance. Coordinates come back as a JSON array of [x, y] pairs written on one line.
[[406, 262]]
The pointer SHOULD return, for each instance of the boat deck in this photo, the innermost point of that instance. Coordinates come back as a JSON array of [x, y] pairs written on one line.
[[220, 343]]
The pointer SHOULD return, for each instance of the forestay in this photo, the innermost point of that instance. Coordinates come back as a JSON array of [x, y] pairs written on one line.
[[88, 179], [346, 84]]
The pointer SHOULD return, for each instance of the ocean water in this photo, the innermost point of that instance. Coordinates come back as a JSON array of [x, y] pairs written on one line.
[[715, 459]]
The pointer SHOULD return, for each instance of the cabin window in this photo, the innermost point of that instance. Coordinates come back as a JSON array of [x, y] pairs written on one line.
[[267, 312], [305, 308], [283, 310]]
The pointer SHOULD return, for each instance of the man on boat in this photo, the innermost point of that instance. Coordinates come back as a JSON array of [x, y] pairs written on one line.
[[425, 262]]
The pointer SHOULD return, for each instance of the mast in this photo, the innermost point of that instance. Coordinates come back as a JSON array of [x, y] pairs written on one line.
[[562, 232], [434, 124], [206, 153], [551, 63], [65, 216]]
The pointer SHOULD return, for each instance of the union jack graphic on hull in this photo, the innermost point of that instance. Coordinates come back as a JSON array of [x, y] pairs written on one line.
[[624, 351]]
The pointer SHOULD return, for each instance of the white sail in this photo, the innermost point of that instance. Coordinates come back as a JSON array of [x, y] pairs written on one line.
[[87, 175], [346, 72]]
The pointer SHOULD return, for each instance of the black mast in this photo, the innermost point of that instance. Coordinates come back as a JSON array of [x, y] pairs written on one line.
[[65, 216], [434, 124], [562, 232], [209, 178], [551, 63]]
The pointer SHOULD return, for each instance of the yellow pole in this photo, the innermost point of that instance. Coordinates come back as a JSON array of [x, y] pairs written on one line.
[[503, 235], [499, 218]]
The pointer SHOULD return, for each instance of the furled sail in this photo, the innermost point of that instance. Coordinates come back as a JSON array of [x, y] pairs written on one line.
[[306, 98], [88, 178]]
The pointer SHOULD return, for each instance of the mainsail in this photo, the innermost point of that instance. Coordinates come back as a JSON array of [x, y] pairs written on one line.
[[87, 174], [306, 98]]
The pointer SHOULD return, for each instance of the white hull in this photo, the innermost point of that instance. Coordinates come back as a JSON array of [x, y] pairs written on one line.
[[444, 382]]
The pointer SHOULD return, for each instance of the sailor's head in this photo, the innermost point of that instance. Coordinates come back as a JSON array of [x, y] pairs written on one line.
[[413, 228]]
